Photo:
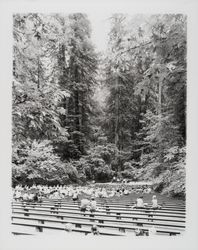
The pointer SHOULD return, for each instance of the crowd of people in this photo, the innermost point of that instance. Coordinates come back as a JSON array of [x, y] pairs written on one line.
[[85, 196], [37, 192]]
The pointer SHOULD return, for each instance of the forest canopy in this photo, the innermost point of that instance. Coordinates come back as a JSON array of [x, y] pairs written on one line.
[[80, 115]]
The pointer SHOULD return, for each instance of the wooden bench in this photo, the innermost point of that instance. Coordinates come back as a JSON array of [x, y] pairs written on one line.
[[104, 219], [100, 216], [170, 219], [40, 227], [78, 224], [74, 204], [114, 202], [137, 222], [19, 232], [108, 210], [119, 201], [126, 206]]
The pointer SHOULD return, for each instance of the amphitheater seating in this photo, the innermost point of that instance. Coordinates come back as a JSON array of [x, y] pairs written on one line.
[[77, 224], [40, 228], [114, 218], [169, 213]]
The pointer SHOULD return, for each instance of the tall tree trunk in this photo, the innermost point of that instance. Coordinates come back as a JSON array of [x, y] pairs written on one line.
[[117, 121], [160, 117], [38, 73], [77, 110], [160, 100], [63, 82], [116, 114]]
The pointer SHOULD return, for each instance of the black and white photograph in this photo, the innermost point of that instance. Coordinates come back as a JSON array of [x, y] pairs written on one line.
[[99, 133], [99, 106]]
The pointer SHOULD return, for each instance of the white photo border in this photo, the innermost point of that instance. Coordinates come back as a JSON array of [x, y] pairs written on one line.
[[187, 241]]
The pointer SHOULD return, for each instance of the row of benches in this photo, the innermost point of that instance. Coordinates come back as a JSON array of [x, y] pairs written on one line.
[[39, 226], [115, 216], [105, 209], [118, 215], [122, 223], [121, 205], [129, 198]]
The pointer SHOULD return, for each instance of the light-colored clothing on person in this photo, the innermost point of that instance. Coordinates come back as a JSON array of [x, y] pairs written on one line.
[[140, 202], [84, 203], [93, 205]]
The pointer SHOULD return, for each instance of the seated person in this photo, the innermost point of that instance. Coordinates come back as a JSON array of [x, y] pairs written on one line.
[[139, 203], [139, 232], [75, 196], [17, 195], [100, 194], [93, 206], [25, 197], [147, 190], [155, 203], [114, 179], [152, 231], [118, 192], [40, 197], [31, 197], [104, 193], [35, 199], [51, 194], [84, 205], [126, 192], [56, 195], [68, 227], [112, 193], [94, 230]]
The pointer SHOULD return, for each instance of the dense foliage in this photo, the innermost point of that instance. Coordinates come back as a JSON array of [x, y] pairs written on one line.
[[64, 131], [146, 107]]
